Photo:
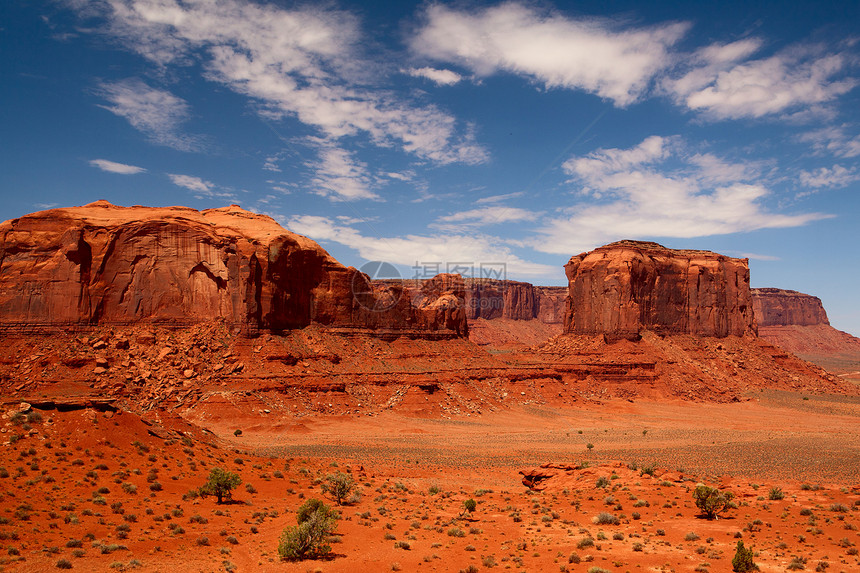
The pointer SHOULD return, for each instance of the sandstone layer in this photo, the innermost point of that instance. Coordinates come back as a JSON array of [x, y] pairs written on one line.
[[490, 299], [101, 264], [778, 307], [623, 288], [798, 323]]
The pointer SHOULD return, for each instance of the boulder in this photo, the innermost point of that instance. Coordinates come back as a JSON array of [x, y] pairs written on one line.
[[623, 288]]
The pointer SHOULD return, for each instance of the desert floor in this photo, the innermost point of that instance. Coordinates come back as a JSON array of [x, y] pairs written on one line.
[[106, 491]]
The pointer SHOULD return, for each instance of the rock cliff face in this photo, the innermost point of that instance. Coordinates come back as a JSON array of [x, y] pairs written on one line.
[[552, 304], [490, 299], [777, 307], [622, 288], [103, 264]]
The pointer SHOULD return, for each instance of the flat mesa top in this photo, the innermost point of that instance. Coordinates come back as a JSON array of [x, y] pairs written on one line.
[[651, 246], [230, 221]]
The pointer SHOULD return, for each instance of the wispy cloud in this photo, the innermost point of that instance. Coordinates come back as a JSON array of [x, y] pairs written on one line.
[[836, 176], [655, 190], [202, 189], [157, 113], [723, 81], [303, 62], [472, 249], [499, 198], [191, 182], [114, 167], [484, 216], [441, 77], [598, 56], [339, 175], [834, 140], [756, 257]]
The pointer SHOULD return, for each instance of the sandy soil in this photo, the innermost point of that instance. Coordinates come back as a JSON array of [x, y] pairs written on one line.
[[415, 473]]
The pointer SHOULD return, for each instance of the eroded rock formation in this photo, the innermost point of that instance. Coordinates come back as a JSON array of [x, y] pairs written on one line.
[[623, 288], [778, 307], [103, 264], [490, 299]]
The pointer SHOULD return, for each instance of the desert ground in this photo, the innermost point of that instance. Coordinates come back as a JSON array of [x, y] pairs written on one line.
[[98, 489]]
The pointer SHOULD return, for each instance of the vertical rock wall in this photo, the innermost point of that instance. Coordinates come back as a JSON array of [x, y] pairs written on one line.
[[625, 287], [777, 307], [103, 264]]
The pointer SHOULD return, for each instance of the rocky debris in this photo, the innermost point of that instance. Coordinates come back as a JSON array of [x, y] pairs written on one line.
[[556, 476], [778, 307], [106, 265], [623, 288]]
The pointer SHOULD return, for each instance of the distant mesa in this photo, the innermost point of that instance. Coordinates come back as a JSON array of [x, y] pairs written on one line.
[[103, 264], [490, 299], [778, 307], [622, 288], [798, 323]]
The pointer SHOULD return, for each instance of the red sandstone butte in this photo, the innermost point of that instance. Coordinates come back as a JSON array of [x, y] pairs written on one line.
[[104, 264], [491, 298], [623, 288], [777, 307]]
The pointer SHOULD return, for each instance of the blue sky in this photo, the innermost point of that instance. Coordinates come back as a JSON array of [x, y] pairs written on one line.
[[452, 133]]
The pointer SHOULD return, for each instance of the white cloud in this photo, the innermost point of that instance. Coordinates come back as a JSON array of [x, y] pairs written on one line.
[[594, 55], [632, 193], [441, 77], [191, 182], [492, 215], [836, 176], [724, 83], [156, 113], [499, 198], [114, 167], [303, 62], [404, 176], [340, 176], [411, 249], [834, 140], [758, 257]]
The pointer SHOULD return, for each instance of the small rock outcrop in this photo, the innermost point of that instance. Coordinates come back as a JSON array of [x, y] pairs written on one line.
[[778, 307], [623, 288], [103, 264]]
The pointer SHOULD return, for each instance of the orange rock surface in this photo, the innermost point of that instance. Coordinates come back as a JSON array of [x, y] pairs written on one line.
[[623, 288], [103, 264], [778, 307]]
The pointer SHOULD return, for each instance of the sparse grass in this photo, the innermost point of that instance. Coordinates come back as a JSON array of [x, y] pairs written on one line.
[[604, 518]]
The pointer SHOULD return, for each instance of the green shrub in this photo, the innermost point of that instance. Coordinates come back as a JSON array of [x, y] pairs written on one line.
[[221, 484], [604, 518], [339, 486], [775, 494], [711, 501], [316, 522], [648, 470], [469, 506], [743, 559]]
